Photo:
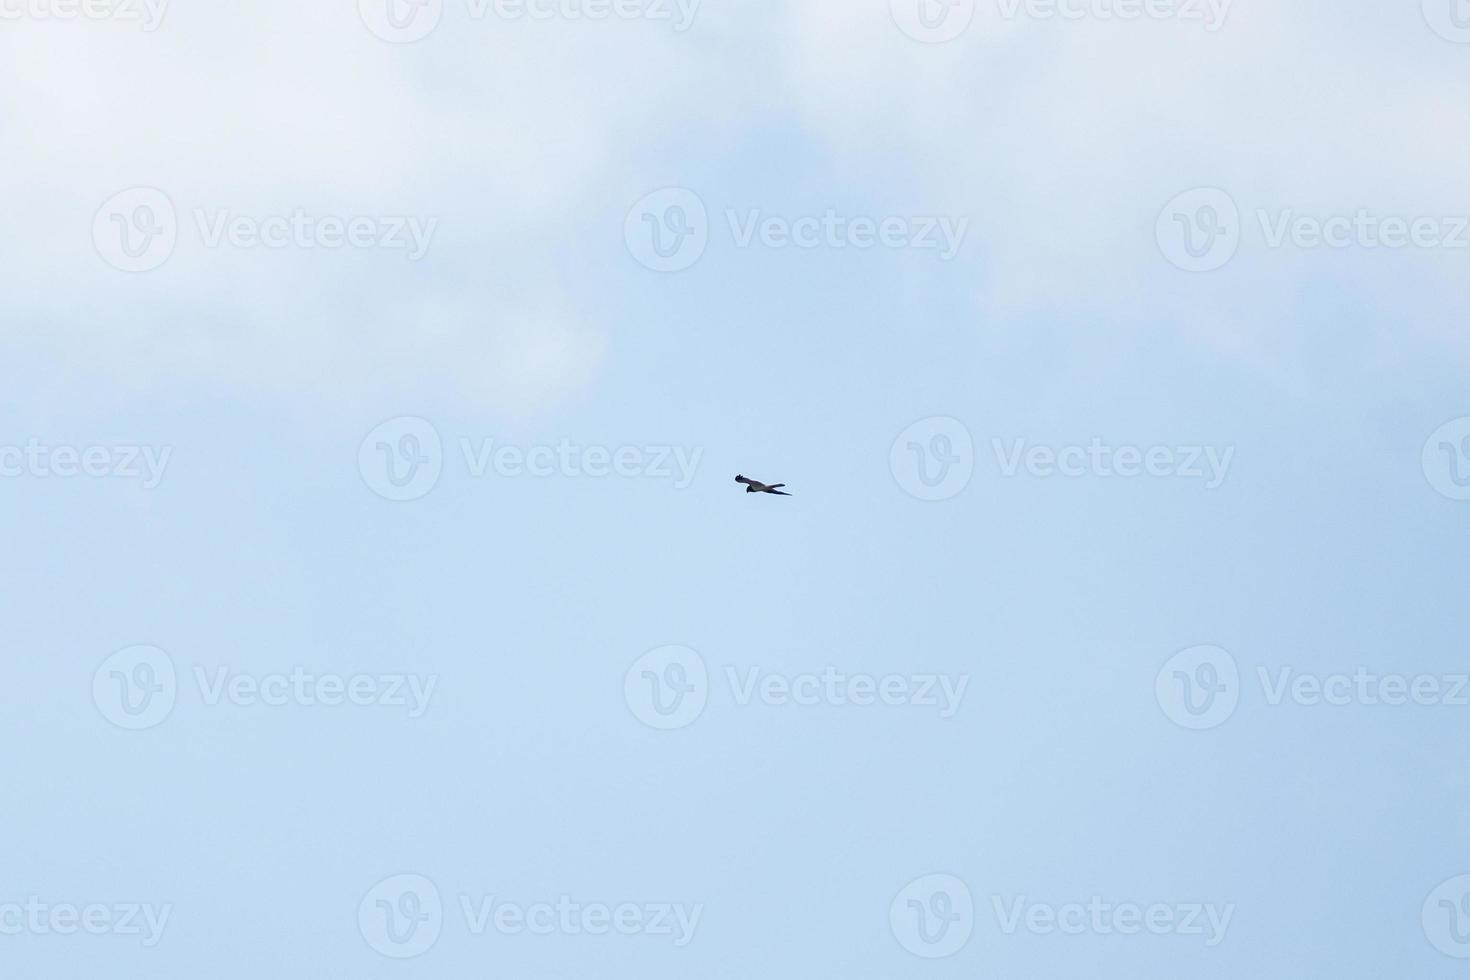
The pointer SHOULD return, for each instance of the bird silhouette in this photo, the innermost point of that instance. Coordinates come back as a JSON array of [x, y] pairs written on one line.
[[755, 486]]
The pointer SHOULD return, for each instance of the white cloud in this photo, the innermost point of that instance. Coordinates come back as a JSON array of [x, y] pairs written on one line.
[[1061, 141], [502, 131]]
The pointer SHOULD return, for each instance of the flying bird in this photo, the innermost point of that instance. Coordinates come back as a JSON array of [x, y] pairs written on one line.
[[755, 486]]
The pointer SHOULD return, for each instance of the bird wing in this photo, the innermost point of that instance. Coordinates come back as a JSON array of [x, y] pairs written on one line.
[[746, 480]]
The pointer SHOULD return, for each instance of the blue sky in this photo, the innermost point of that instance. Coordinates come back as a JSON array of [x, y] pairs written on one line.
[[910, 721]]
